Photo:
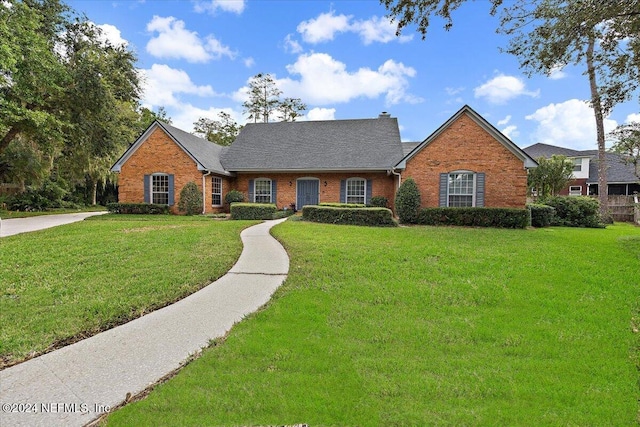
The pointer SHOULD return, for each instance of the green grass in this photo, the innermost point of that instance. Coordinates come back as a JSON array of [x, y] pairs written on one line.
[[426, 326], [5, 214], [68, 282]]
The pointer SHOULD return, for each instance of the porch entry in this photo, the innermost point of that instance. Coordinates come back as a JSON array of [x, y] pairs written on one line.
[[308, 192]]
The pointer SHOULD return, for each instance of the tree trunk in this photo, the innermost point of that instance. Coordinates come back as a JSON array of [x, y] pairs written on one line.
[[7, 138], [94, 186], [603, 191]]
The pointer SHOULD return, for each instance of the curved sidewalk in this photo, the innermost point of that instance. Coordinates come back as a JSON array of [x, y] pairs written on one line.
[[13, 226], [79, 382]]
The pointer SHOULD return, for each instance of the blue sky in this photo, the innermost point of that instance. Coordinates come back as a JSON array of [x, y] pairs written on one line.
[[344, 61]]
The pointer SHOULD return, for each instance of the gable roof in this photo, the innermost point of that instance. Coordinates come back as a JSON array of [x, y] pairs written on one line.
[[618, 172], [480, 121], [360, 144], [204, 153]]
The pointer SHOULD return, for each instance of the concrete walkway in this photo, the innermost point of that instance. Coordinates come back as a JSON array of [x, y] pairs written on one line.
[[79, 382], [13, 226]]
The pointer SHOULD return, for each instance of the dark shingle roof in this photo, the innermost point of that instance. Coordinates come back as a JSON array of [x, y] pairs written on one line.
[[618, 171], [362, 144], [203, 151]]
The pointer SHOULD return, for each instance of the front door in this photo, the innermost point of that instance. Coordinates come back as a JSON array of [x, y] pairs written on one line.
[[308, 192]]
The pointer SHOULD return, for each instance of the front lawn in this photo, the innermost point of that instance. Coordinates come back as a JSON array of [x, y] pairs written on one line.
[[5, 214], [426, 326], [64, 283]]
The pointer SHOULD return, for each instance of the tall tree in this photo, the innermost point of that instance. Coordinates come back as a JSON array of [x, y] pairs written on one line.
[[550, 177], [603, 36], [291, 108], [222, 131], [264, 98], [626, 141]]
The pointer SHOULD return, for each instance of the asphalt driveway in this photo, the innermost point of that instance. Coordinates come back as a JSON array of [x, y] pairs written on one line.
[[9, 227]]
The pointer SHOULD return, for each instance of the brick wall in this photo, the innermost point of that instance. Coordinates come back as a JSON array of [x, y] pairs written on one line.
[[382, 185], [464, 145], [160, 154]]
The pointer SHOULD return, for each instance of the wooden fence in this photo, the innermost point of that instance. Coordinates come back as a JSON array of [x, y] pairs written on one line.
[[622, 208]]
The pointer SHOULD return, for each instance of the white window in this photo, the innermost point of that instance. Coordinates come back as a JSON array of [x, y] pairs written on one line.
[[461, 189], [575, 190], [356, 190], [262, 190], [160, 189], [216, 191], [577, 165]]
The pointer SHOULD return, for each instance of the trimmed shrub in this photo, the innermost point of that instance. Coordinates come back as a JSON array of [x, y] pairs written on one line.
[[408, 201], [541, 215], [283, 213], [253, 210], [343, 205], [475, 217], [379, 217], [379, 202], [575, 211], [234, 196], [190, 199], [138, 208]]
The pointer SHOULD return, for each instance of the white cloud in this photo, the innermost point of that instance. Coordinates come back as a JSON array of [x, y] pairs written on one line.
[[186, 115], [212, 6], [321, 114], [568, 124], [324, 80], [162, 84], [453, 91], [505, 120], [556, 73], [325, 27], [249, 62], [292, 45], [633, 117], [176, 42], [511, 131], [503, 88], [111, 34]]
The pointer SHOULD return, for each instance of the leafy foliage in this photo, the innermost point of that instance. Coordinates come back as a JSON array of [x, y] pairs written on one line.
[[408, 201], [627, 142], [190, 199], [234, 196], [580, 211], [541, 215], [138, 208], [377, 217], [551, 176], [475, 217], [344, 205], [379, 202], [253, 210], [264, 100], [222, 131]]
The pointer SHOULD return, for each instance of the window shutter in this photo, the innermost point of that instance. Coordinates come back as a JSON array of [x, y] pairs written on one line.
[[171, 192], [251, 199], [367, 197], [444, 183], [480, 189], [147, 189], [343, 191], [274, 198]]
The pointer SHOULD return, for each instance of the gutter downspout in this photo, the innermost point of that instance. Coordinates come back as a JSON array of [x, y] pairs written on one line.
[[204, 194], [393, 171]]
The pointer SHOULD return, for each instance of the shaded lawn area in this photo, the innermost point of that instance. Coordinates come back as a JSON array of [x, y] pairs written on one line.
[[5, 214], [426, 326], [68, 282]]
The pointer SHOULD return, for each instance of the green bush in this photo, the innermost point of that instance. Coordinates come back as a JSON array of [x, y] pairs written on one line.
[[48, 196], [541, 215], [283, 213], [234, 196], [408, 202], [475, 217], [380, 217], [253, 210], [190, 199], [575, 211], [379, 202], [138, 208], [343, 205]]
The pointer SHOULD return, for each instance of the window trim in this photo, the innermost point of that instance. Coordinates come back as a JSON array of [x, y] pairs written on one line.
[[255, 190], [152, 191], [474, 176], [577, 165], [571, 191], [364, 192], [217, 178]]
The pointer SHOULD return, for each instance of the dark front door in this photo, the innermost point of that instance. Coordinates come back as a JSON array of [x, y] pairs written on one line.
[[308, 190]]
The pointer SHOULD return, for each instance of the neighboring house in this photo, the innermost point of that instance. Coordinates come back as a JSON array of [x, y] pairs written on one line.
[[466, 162], [621, 177]]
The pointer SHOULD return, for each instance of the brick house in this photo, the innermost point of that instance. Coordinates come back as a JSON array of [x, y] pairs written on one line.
[[466, 162]]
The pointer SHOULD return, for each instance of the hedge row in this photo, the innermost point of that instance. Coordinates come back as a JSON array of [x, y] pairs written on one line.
[[541, 215], [138, 208], [381, 217], [575, 211], [475, 217], [253, 210], [343, 205]]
